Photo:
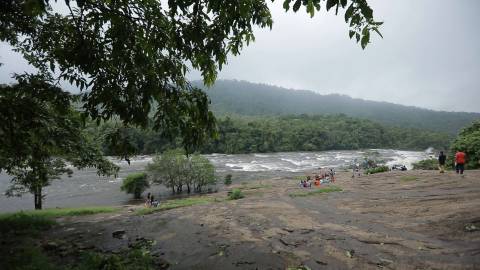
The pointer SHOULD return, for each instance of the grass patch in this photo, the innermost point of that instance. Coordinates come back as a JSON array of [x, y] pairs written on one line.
[[32, 221], [235, 194], [62, 212], [171, 204], [26, 255], [378, 169], [408, 178], [299, 177], [315, 192], [29, 255], [22, 223], [258, 186]]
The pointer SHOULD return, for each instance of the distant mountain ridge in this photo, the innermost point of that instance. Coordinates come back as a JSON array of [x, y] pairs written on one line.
[[245, 98]]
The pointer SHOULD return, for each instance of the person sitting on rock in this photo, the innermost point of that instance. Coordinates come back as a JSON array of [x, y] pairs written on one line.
[[153, 202]]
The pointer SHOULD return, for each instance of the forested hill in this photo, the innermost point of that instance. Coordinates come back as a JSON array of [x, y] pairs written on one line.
[[244, 98]]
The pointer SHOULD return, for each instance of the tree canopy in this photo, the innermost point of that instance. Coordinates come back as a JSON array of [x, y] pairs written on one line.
[[130, 58], [253, 134]]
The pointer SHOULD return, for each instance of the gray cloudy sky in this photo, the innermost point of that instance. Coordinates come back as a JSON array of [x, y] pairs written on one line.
[[429, 57]]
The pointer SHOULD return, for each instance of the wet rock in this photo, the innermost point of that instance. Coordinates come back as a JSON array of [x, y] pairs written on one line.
[[306, 231], [50, 246], [161, 264], [120, 234], [471, 228], [244, 263], [81, 246], [384, 262]]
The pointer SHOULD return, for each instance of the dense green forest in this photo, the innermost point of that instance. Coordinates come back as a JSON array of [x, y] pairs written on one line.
[[239, 97], [286, 133]]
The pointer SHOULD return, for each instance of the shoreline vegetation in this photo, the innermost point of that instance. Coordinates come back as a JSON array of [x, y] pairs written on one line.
[[262, 134]]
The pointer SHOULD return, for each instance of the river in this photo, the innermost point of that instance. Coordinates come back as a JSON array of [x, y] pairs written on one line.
[[85, 188]]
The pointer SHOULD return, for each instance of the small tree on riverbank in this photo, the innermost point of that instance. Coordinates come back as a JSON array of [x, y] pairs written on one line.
[[135, 184], [39, 133], [202, 172], [175, 170], [168, 169]]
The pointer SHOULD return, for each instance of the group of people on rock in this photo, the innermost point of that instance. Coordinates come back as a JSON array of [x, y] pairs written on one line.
[[150, 201], [460, 158], [325, 175]]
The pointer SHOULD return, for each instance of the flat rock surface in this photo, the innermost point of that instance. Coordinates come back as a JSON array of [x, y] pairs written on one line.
[[392, 220]]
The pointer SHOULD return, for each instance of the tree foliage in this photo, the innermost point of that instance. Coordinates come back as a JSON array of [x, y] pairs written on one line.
[[175, 170], [468, 141], [135, 184], [130, 58], [39, 134], [293, 133]]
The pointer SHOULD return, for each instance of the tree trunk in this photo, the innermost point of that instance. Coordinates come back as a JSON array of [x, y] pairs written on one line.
[[173, 189], [38, 197], [188, 188]]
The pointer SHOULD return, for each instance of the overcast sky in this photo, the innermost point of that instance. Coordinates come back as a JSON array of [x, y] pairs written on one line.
[[429, 57]]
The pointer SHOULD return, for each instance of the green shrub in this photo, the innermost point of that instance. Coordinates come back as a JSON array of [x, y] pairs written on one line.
[[135, 184], [235, 194], [467, 141], [427, 164], [378, 169], [228, 179]]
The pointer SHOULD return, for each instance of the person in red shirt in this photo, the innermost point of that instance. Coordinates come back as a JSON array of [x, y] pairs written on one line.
[[460, 162]]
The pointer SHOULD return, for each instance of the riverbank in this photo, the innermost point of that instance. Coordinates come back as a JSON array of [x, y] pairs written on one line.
[[393, 220], [86, 188]]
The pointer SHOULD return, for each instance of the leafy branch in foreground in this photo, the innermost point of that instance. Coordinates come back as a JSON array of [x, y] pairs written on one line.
[[39, 133], [130, 58]]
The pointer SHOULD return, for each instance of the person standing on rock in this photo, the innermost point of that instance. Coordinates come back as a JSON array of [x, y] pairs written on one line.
[[441, 161], [460, 162]]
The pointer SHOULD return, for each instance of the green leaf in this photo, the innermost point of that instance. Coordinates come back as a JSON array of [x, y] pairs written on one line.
[[331, 3], [365, 40], [286, 4], [351, 33], [378, 32], [366, 11], [310, 8], [343, 3], [365, 30], [297, 5], [349, 12]]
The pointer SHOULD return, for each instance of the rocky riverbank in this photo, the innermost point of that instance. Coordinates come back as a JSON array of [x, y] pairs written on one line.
[[393, 220]]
